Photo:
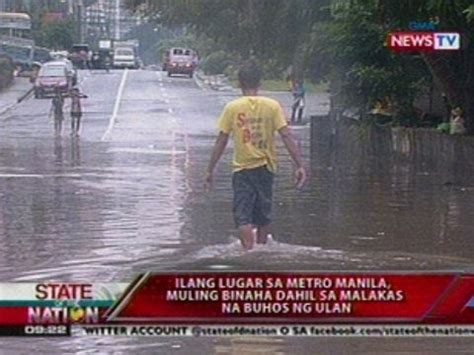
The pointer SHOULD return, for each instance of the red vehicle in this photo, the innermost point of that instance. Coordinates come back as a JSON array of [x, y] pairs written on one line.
[[50, 76]]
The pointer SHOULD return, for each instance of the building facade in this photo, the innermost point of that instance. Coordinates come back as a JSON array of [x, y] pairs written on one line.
[[108, 19]]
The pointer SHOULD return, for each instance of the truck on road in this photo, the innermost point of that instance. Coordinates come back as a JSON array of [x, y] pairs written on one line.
[[126, 54]]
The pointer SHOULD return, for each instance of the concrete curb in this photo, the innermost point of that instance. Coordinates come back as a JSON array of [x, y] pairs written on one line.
[[198, 80], [212, 82], [6, 109], [25, 95], [21, 98]]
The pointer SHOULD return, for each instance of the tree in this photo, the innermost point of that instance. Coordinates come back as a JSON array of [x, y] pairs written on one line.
[[56, 35], [261, 29], [339, 39], [348, 50], [453, 71]]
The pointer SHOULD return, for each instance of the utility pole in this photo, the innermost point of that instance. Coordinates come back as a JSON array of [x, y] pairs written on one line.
[[78, 8], [117, 19]]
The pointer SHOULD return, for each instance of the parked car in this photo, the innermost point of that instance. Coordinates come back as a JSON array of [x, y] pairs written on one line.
[[180, 61], [50, 76]]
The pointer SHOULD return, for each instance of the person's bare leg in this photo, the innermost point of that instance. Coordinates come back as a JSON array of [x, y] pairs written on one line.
[[78, 125], [262, 233], [246, 236], [57, 129]]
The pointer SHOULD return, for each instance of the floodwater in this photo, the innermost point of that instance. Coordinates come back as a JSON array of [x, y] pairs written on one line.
[[108, 206]]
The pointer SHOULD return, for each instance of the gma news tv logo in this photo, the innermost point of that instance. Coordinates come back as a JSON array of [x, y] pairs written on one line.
[[423, 41]]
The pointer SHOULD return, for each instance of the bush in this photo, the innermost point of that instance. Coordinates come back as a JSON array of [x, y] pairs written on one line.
[[231, 71], [217, 62], [6, 71]]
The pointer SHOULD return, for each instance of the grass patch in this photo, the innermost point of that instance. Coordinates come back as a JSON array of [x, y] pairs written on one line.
[[282, 85], [275, 85]]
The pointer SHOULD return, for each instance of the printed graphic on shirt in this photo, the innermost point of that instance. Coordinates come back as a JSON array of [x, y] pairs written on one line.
[[253, 122]]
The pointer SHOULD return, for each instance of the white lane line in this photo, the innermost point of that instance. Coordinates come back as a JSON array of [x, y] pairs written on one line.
[[116, 106], [41, 176], [164, 94], [146, 151], [21, 175]]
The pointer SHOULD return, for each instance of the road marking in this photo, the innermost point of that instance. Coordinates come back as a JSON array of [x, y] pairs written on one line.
[[8, 108], [116, 106], [146, 151], [21, 175], [40, 176]]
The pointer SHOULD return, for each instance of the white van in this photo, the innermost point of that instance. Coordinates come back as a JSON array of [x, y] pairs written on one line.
[[124, 58]]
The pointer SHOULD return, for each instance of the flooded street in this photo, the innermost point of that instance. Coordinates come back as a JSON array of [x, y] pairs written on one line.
[[127, 197]]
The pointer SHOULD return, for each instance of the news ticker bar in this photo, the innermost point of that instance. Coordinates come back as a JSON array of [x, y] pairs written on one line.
[[245, 298], [238, 330]]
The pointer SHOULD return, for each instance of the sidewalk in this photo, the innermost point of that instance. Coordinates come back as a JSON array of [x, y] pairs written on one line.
[[212, 82], [9, 97], [316, 103]]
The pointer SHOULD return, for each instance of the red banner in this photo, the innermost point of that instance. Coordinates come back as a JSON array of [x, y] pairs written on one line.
[[298, 297]]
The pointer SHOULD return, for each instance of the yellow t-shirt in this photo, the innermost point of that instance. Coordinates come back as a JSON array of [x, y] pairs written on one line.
[[253, 121]]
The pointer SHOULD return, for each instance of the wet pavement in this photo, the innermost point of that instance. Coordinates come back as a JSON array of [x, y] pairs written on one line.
[[127, 197]]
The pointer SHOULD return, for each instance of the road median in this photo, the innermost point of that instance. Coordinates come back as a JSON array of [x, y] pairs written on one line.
[[17, 92]]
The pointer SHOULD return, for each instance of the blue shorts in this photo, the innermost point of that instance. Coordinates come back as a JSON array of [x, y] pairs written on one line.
[[252, 196]]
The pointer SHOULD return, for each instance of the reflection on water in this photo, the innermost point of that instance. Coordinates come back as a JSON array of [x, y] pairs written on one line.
[[105, 211]]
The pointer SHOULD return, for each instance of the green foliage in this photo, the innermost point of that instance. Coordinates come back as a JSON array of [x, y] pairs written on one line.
[[201, 44], [217, 62], [340, 41], [444, 127], [469, 12], [56, 35], [249, 28], [349, 50]]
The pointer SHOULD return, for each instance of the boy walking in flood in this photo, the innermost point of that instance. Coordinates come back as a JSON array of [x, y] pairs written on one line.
[[253, 120], [76, 111], [57, 109]]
